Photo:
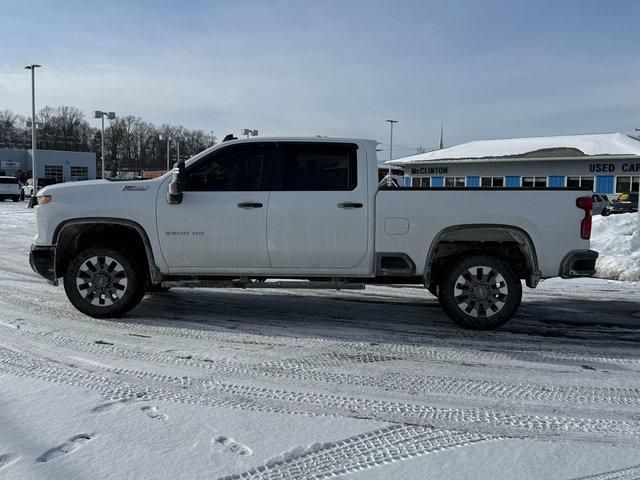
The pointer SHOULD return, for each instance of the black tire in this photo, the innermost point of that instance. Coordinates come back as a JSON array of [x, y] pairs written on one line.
[[481, 293], [606, 212], [103, 282], [16, 198]]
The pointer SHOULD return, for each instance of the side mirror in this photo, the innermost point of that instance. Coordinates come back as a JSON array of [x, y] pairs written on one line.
[[176, 186]]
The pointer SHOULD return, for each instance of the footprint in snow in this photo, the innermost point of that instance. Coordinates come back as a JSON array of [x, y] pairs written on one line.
[[153, 412], [105, 407], [7, 459], [232, 446], [69, 446]]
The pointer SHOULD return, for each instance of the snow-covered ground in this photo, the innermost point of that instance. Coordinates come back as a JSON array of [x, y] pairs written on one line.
[[373, 384], [617, 238]]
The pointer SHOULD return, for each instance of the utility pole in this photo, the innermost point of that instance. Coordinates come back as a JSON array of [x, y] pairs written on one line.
[[34, 174], [391, 122], [111, 116], [168, 151], [441, 135]]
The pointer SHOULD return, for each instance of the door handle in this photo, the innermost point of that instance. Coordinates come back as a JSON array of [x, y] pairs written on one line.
[[350, 205], [250, 205]]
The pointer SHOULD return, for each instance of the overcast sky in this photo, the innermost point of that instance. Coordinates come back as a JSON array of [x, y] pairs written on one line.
[[487, 69]]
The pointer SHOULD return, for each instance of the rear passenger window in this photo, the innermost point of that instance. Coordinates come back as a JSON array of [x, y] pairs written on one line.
[[315, 167]]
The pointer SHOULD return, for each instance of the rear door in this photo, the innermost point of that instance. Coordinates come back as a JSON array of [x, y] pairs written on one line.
[[318, 209], [222, 220]]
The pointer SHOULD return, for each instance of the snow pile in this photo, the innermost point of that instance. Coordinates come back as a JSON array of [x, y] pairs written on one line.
[[596, 144], [617, 239]]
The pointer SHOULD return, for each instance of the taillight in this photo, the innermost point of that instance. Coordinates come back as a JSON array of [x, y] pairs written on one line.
[[586, 204]]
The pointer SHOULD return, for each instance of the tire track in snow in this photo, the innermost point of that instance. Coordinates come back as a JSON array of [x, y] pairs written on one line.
[[631, 473], [473, 349], [310, 369], [361, 452], [124, 383]]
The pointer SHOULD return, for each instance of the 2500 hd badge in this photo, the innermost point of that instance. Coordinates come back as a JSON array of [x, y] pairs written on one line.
[[185, 234]]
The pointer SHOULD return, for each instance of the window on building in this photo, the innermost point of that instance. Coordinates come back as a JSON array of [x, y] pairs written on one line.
[[420, 182], [627, 184], [538, 182], [79, 173], [492, 182], [53, 171], [577, 182], [455, 181]]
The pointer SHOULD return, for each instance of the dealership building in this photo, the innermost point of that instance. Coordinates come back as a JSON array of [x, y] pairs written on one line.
[[606, 163], [60, 165]]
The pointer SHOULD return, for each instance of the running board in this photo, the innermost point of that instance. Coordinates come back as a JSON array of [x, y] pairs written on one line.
[[319, 285]]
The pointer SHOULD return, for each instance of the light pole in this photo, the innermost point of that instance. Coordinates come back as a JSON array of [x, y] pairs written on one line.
[[391, 122], [249, 133], [111, 116], [160, 137], [34, 175]]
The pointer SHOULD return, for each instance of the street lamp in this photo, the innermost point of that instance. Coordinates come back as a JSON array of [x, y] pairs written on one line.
[[111, 116], [34, 175], [161, 137], [391, 122], [249, 133]]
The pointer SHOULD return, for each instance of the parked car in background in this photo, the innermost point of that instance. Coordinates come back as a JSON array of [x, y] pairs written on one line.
[[27, 188], [626, 202], [10, 189], [601, 205]]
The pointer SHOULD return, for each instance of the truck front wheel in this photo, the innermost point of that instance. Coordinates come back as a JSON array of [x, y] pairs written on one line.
[[103, 282], [481, 293]]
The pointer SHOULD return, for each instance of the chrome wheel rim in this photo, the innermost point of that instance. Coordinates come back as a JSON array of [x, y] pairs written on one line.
[[101, 280], [481, 291]]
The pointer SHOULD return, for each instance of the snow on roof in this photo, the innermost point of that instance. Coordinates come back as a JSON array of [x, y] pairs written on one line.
[[596, 144]]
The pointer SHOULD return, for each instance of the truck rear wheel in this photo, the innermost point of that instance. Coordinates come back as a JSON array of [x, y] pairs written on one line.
[[481, 293], [103, 282]]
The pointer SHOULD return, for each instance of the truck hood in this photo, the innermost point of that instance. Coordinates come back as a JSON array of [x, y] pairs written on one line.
[[99, 186], [100, 193]]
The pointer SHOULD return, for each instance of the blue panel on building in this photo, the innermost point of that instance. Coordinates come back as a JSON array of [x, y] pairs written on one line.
[[556, 181], [604, 184], [512, 181], [473, 181], [407, 182], [437, 181]]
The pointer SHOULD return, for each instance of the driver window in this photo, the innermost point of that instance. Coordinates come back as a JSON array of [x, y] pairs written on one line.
[[235, 168]]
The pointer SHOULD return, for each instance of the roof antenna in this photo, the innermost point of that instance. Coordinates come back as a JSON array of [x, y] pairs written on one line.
[[441, 135], [229, 137]]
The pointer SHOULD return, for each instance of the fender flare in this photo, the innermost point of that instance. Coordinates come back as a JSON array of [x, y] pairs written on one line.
[[154, 271], [519, 234]]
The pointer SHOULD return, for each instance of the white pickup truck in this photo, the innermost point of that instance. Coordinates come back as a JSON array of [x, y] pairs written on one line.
[[308, 210]]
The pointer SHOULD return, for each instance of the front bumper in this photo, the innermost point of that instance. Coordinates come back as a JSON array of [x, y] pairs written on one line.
[[43, 261], [579, 263]]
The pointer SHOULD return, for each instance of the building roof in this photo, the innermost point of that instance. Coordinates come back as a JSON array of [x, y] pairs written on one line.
[[564, 146]]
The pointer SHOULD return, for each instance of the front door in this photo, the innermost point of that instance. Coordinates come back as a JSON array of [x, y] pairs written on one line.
[[318, 210], [221, 222]]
